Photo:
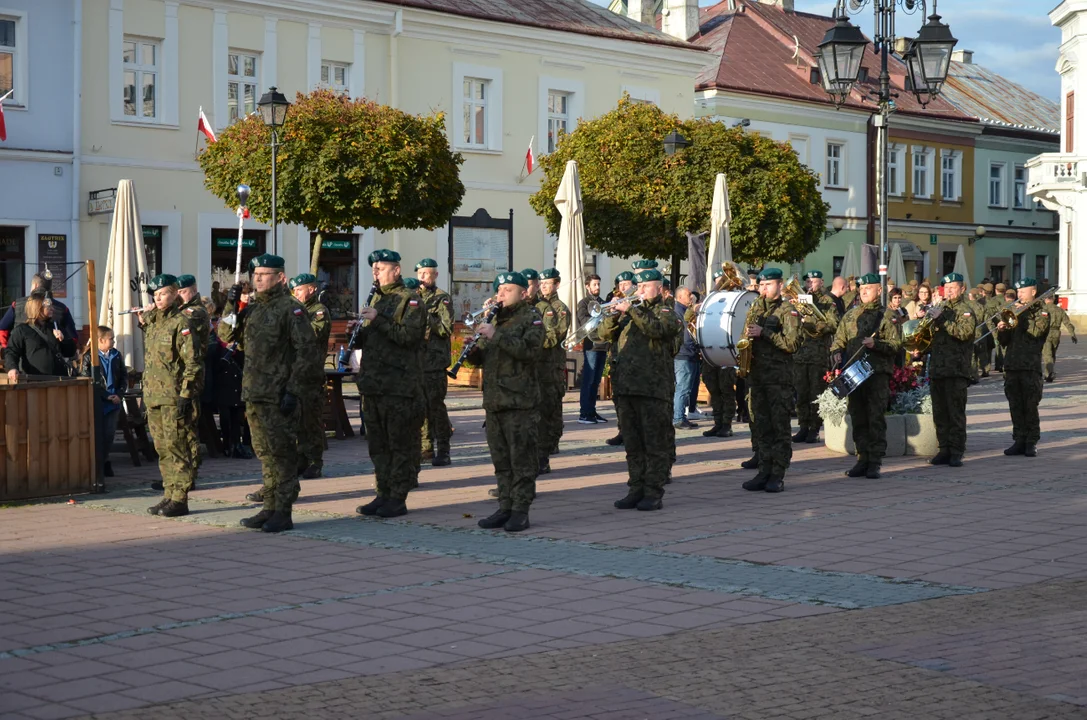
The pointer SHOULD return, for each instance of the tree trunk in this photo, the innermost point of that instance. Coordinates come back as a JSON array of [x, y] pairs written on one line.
[[675, 271], [315, 255]]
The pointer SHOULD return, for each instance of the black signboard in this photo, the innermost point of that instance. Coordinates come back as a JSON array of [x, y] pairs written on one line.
[[53, 253]]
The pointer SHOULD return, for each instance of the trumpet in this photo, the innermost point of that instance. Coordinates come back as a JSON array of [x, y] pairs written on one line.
[[793, 291], [730, 280], [597, 313]]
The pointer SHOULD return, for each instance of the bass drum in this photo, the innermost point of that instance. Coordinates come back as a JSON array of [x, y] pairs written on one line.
[[721, 322]]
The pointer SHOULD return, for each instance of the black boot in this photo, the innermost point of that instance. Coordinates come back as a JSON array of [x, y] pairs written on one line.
[[941, 458], [873, 471], [257, 521], [726, 430], [392, 508], [1049, 378], [280, 521], [617, 440], [1017, 448], [752, 464], [175, 509], [801, 435], [544, 468], [857, 470], [257, 497], [813, 435], [313, 470], [441, 455], [775, 484], [1029, 450], [712, 432], [649, 504], [518, 521], [955, 460], [495, 521], [757, 483], [371, 508], [630, 501], [108, 469], [157, 507], [493, 492]]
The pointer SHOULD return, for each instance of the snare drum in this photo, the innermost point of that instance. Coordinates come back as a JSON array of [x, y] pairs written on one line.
[[851, 378], [720, 323]]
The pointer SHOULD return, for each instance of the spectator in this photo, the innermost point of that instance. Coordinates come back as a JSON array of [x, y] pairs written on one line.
[[686, 364], [595, 355], [111, 381], [35, 347], [917, 307], [17, 314], [837, 290]]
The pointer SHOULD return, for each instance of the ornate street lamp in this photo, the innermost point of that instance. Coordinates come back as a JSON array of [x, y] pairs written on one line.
[[273, 111], [839, 58], [673, 142], [928, 59]]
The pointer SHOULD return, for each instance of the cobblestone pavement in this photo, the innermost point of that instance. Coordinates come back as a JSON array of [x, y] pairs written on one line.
[[930, 593]]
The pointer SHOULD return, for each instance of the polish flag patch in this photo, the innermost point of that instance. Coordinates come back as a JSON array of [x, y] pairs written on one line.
[[185, 331], [966, 314], [413, 303], [537, 322], [298, 311]]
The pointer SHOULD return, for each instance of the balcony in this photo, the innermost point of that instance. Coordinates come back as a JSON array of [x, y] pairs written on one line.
[[1054, 174]]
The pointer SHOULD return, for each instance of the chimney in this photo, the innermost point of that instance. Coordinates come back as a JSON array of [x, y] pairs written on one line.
[[680, 18], [964, 56], [786, 5], [641, 11]]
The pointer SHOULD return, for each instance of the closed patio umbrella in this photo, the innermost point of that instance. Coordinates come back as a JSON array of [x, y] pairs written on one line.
[[126, 278], [960, 266], [570, 260]]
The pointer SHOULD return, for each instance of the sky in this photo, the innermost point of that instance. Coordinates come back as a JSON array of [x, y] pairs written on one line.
[[1011, 37]]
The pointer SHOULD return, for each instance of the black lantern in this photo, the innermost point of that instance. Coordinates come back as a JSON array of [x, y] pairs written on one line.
[[273, 108], [674, 141], [839, 58], [928, 59]]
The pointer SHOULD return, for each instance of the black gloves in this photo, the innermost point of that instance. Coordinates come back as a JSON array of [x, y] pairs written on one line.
[[184, 407], [288, 403], [234, 294]]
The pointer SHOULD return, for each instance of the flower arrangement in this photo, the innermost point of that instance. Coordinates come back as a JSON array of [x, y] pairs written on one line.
[[909, 396]]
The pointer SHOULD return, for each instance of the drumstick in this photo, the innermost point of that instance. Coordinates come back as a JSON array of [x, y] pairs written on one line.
[[861, 349]]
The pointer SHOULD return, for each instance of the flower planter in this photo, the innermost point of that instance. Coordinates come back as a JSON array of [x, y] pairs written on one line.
[[605, 389], [468, 377], [906, 435]]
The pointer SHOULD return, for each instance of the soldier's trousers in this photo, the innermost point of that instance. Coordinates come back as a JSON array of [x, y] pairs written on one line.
[[311, 430], [999, 362], [771, 436], [192, 433], [983, 351], [1023, 388], [275, 441], [721, 384], [436, 421], [809, 384], [393, 425], [550, 410], [1049, 356], [173, 435], [867, 408], [512, 439], [949, 413], [650, 442]]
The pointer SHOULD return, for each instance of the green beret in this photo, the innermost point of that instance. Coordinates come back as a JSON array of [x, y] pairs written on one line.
[[302, 279], [718, 273], [952, 277], [383, 256], [667, 282], [771, 274], [550, 274], [868, 279], [411, 283], [818, 274], [511, 278], [643, 264], [160, 281], [184, 281], [625, 276], [648, 275], [530, 274], [252, 265], [1025, 282], [266, 260], [426, 263]]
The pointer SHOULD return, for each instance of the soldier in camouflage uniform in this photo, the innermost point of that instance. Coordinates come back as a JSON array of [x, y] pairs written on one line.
[[719, 382], [172, 381], [643, 377], [876, 328], [193, 307], [995, 304], [1023, 367], [1058, 321], [774, 327], [812, 360], [281, 365], [390, 382], [950, 370], [436, 359], [983, 351], [311, 433], [551, 371], [532, 292], [625, 287], [508, 350]]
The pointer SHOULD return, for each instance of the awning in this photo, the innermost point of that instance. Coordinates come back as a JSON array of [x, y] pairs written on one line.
[[910, 252]]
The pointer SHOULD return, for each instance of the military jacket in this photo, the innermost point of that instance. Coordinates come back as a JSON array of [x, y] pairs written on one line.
[[556, 324], [173, 361], [436, 357], [643, 346], [815, 350], [953, 341], [321, 322], [392, 344], [772, 353], [1023, 343], [509, 359], [861, 322], [200, 325], [280, 349], [1058, 320]]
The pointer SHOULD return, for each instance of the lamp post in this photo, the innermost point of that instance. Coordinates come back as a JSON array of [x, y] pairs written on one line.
[[674, 142], [273, 110], [927, 58]]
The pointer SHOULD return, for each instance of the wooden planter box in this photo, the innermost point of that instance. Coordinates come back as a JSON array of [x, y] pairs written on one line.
[[906, 435], [605, 388], [468, 377], [48, 444]]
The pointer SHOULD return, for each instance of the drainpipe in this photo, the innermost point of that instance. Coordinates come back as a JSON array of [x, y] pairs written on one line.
[[394, 81], [77, 298]]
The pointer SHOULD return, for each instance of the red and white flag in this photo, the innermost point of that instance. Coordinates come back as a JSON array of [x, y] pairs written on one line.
[[530, 158], [3, 127], [204, 126]]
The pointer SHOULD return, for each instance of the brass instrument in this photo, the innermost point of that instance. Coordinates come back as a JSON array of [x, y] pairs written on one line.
[[917, 334], [597, 313], [1009, 314], [743, 361], [792, 292], [470, 345]]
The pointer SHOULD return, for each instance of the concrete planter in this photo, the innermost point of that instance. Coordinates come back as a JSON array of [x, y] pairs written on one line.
[[906, 435]]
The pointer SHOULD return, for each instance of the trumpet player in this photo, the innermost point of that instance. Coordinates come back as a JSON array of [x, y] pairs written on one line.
[[870, 325], [950, 371], [1023, 366], [624, 287], [551, 371], [812, 360], [436, 359]]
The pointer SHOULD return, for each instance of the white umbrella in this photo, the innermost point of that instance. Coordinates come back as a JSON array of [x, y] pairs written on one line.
[[126, 268], [850, 266], [896, 268], [570, 260], [720, 250], [960, 267]]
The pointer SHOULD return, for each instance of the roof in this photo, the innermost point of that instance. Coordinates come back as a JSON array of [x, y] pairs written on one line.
[[576, 16], [997, 101]]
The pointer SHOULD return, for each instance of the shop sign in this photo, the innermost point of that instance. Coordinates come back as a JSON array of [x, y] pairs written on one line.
[[335, 244], [933, 239], [53, 254], [226, 242], [101, 201]]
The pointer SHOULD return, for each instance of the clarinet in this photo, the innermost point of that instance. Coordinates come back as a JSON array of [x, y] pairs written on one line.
[[471, 344], [358, 325]]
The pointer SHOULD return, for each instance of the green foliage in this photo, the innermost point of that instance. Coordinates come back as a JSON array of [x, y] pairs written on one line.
[[640, 202]]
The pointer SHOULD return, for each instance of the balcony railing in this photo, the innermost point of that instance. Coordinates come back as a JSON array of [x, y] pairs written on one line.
[[1054, 170]]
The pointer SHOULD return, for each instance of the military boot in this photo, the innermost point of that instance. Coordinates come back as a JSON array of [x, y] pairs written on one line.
[[313, 470], [718, 423], [955, 460], [518, 521], [752, 464], [495, 521], [392, 508], [801, 435], [617, 440], [257, 521], [493, 492], [857, 470], [630, 501], [725, 431], [1017, 448], [941, 458], [280, 521], [1029, 450], [813, 435], [302, 469], [371, 507], [757, 483], [544, 467], [427, 455], [775, 484], [873, 471], [257, 497], [157, 507], [649, 504], [441, 455], [175, 509]]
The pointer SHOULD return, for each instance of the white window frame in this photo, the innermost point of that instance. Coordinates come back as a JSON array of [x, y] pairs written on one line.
[[1019, 181], [575, 106], [20, 71], [840, 162], [558, 119], [929, 155], [332, 66], [242, 81], [493, 117], [956, 175], [650, 96], [1002, 189], [470, 104], [896, 182], [139, 70]]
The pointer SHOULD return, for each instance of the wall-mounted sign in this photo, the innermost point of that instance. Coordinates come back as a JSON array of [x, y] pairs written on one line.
[[101, 201], [335, 244], [53, 253], [221, 242], [933, 239]]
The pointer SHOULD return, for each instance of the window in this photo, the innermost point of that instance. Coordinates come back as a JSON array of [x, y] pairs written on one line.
[[837, 264], [1041, 267], [996, 185], [558, 117], [921, 186], [949, 175], [996, 272], [835, 172], [1069, 121], [152, 248], [894, 187], [334, 76], [949, 262], [241, 85], [12, 256], [1020, 192], [8, 54], [476, 93], [1017, 267], [141, 88]]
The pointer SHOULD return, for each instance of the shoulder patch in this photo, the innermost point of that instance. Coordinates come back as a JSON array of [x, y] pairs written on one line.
[[1044, 313], [297, 311], [185, 331], [445, 301], [966, 314], [413, 303], [189, 310], [550, 313], [794, 313], [537, 321], [319, 313]]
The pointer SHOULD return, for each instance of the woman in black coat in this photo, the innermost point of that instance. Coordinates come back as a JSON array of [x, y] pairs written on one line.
[[36, 347]]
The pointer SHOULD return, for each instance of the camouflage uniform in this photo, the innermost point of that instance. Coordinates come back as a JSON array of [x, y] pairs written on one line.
[[173, 369], [311, 431], [1058, 321], [511, 395], [200, 325], [950, 373], [811, 362], [1023, 371], [613, 354], [391, 384], [436, 359], [975, 359], [984, 349], [551, 372], [868, 403], [643, 380], [280, 358], [770, 383]]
